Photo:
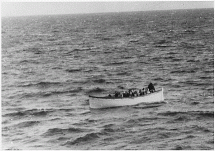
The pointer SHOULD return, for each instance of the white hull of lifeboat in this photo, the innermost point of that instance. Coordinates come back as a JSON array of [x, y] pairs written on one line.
[[107, 102]]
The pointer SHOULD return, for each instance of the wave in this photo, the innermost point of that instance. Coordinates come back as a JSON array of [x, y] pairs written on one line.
[[86, 112], [189, 31], [156, 58], [183, 71], [171, 113], [56, 131], [33, 112], [56, 67], [148, 106], [116, 63], [79, 89], [195, 83], [76, 50], [193, 60], [161, 41], [200, 128], [124, 73], [27, 124], [181, 118], [178, 147], [106, 131], [183, 115], [139, 120], [108, 125], [91, 121], [35, 50], [80, 82], [83, 139], [50, 93], [174, 85], [28, 61], [209, 71], [133, 40], [63, 138], [187, 45], [67, 109], [41, 84], [177, 59], [109, 128], [158, 79], [209, 114], [96, 90], [171, 53], [206, 77], [194, 103], [120, 87], [107, 38], [73, 70], [99, 81]]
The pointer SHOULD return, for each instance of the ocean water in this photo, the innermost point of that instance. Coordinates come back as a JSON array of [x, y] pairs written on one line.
[[50, 64]]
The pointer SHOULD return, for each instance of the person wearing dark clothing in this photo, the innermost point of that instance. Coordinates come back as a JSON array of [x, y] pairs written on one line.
[[144, 91], [151, 87], [125, 94], [116, 94], [140, 92]]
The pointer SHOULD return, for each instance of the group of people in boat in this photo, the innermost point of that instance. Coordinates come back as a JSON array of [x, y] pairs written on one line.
[[133, 93]]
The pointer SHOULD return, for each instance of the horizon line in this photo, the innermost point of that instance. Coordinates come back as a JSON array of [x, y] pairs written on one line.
[[107, 12]]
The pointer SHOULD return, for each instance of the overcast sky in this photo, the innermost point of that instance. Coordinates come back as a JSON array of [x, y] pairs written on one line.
[[68, 7]]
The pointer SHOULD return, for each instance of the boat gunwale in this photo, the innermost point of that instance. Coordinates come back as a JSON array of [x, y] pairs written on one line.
[[107, 97]]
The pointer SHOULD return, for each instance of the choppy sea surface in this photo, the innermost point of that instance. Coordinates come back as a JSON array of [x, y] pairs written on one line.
[[50, 64]]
